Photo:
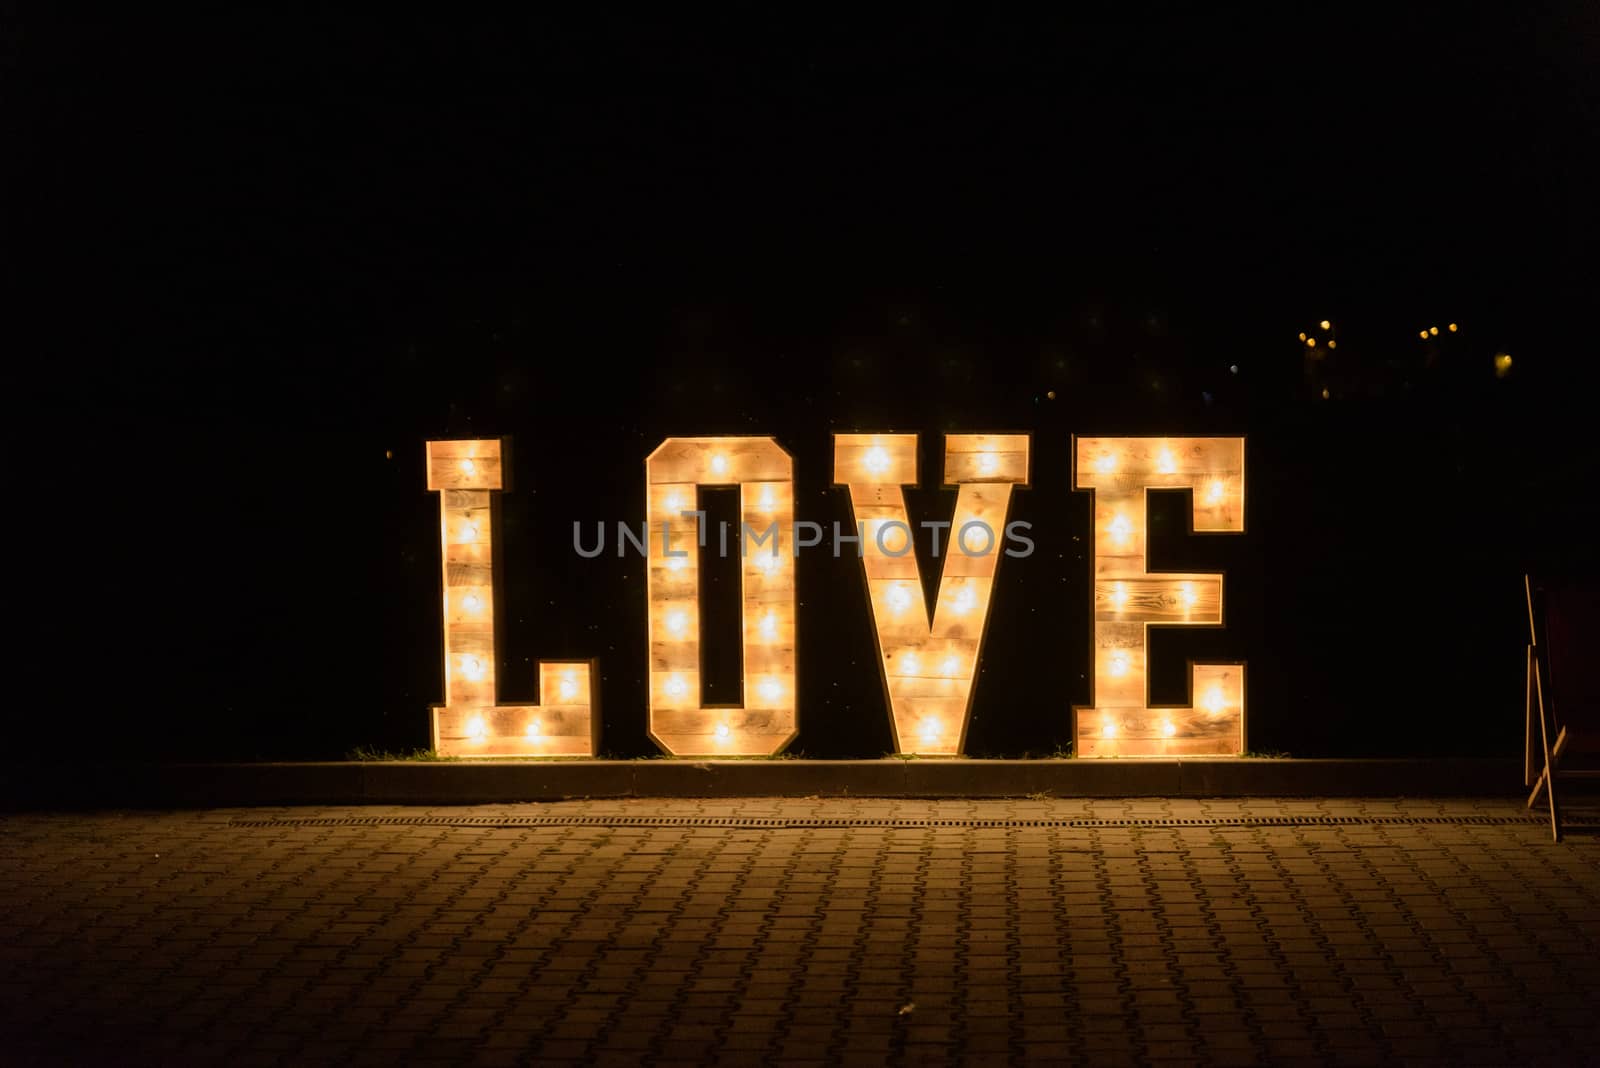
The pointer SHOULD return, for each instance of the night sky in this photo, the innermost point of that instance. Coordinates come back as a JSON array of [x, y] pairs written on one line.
[[262, 257]]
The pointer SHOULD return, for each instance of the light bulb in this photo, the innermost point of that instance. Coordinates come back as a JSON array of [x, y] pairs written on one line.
[[1165, 464], [768, 502], [468, 468], [1326, 325], [768, 562], [472, 603], [723, 733], [769, 626], [469, 532], [1215, 702], [1168, 728], [875, 460], [1423, 335], [1302, 335], [1121, 530], [477, 729], [909, 664], [677, 563], [719, 464], [675, 686], [770, 690], [1119, 596], [951, 666], [1215, 491], [535, 731], [1186, 595], [1434, 330], [1452, 328], [673, 503], [1106, 464], [898, 598], [568, 688], [677, 623], [988, 463], [1118, 664], [1311, 342], [930, 730], [472, 669], [1109, 730], [1332, 344], [965, 600]]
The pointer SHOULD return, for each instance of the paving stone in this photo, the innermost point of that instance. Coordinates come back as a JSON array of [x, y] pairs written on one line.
[[593, 942]]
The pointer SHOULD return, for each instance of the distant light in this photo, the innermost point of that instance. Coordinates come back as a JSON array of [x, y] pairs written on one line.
[[1326, 325], [1302, 335], [1233, 368], [1452, 328], [1502, 364], [1434, 330], [1050, 395], [1332, 344], [1325, 393], [1311, 342], [1423, 335]]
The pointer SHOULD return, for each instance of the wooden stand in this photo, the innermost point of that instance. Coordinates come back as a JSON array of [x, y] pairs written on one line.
[[1569, 735]]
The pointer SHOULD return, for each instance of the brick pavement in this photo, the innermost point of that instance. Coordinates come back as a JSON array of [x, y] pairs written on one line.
[[184, 937]]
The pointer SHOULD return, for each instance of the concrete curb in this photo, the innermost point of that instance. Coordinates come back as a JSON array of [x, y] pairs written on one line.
[[80, 786]]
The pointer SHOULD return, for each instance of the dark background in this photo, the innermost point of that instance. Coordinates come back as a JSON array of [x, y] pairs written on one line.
[[260, 258]]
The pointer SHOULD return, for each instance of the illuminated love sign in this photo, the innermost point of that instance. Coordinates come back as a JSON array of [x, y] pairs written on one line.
[[929, 662]]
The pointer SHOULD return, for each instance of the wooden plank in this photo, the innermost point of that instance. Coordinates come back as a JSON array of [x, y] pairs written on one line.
[[875, 459], [464, 465], [739, 721], [986, 458], [1192, 598], [718, 461], [706, 744]]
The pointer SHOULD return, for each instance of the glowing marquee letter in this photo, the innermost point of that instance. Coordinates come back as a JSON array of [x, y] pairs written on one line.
[[1128, 598], [764, 473], [470, 723], [928, 669]]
